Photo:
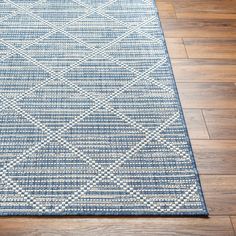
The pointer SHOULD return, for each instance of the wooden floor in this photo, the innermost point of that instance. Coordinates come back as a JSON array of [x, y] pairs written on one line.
[[201, 37]]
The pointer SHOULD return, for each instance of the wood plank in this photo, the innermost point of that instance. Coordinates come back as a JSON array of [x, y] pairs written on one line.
[[215, 156], [205, 15], [226, 6], [214, 9], [176, 48], [207, 95], [221, 124], [204, 70], [215, 226], [190, 28], [166, 10], [217, 48], [220, 193], [233, 219], [195, 123]]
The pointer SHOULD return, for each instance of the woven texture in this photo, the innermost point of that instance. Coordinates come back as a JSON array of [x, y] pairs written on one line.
[[90, 121]]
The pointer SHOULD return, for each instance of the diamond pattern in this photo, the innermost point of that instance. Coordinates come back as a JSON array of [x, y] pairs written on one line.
[[90, 118], [100, 76], [113, 199], [55, 106], [22, 29], [59, 11], [95, 137], [150, 29], [147, 98], [96, 30], [58, 51], [132, 12], [28, 76], [131, 53], [68, 174], [14, 129]]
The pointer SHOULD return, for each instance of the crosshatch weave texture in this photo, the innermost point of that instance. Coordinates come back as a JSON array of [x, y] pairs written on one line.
[[91, 122]]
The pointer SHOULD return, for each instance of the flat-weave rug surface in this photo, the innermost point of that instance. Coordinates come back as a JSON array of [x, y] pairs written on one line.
[[91, 122]]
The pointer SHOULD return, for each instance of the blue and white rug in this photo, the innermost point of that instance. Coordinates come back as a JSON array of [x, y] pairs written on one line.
[[91, 122]]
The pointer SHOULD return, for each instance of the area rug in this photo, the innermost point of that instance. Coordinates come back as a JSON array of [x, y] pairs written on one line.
[[91, 122]]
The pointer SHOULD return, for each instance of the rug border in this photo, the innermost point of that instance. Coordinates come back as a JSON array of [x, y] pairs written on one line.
[[182, 115]]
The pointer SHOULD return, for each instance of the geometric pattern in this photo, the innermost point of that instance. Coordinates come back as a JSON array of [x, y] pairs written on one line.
[[91, 122]]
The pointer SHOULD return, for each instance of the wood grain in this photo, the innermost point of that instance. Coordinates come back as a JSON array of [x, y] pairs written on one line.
[[189, 28], [233, 219], [196, 124], [208, 95], [205, 9], [217, 48], [215, 157], [176, 48], [214, 226], [221, 123], [220, 194], [226, 6], [166, 10], [204, 70], [205, 15]]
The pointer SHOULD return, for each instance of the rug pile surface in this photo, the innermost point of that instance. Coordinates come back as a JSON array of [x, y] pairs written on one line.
[[91, 122]]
